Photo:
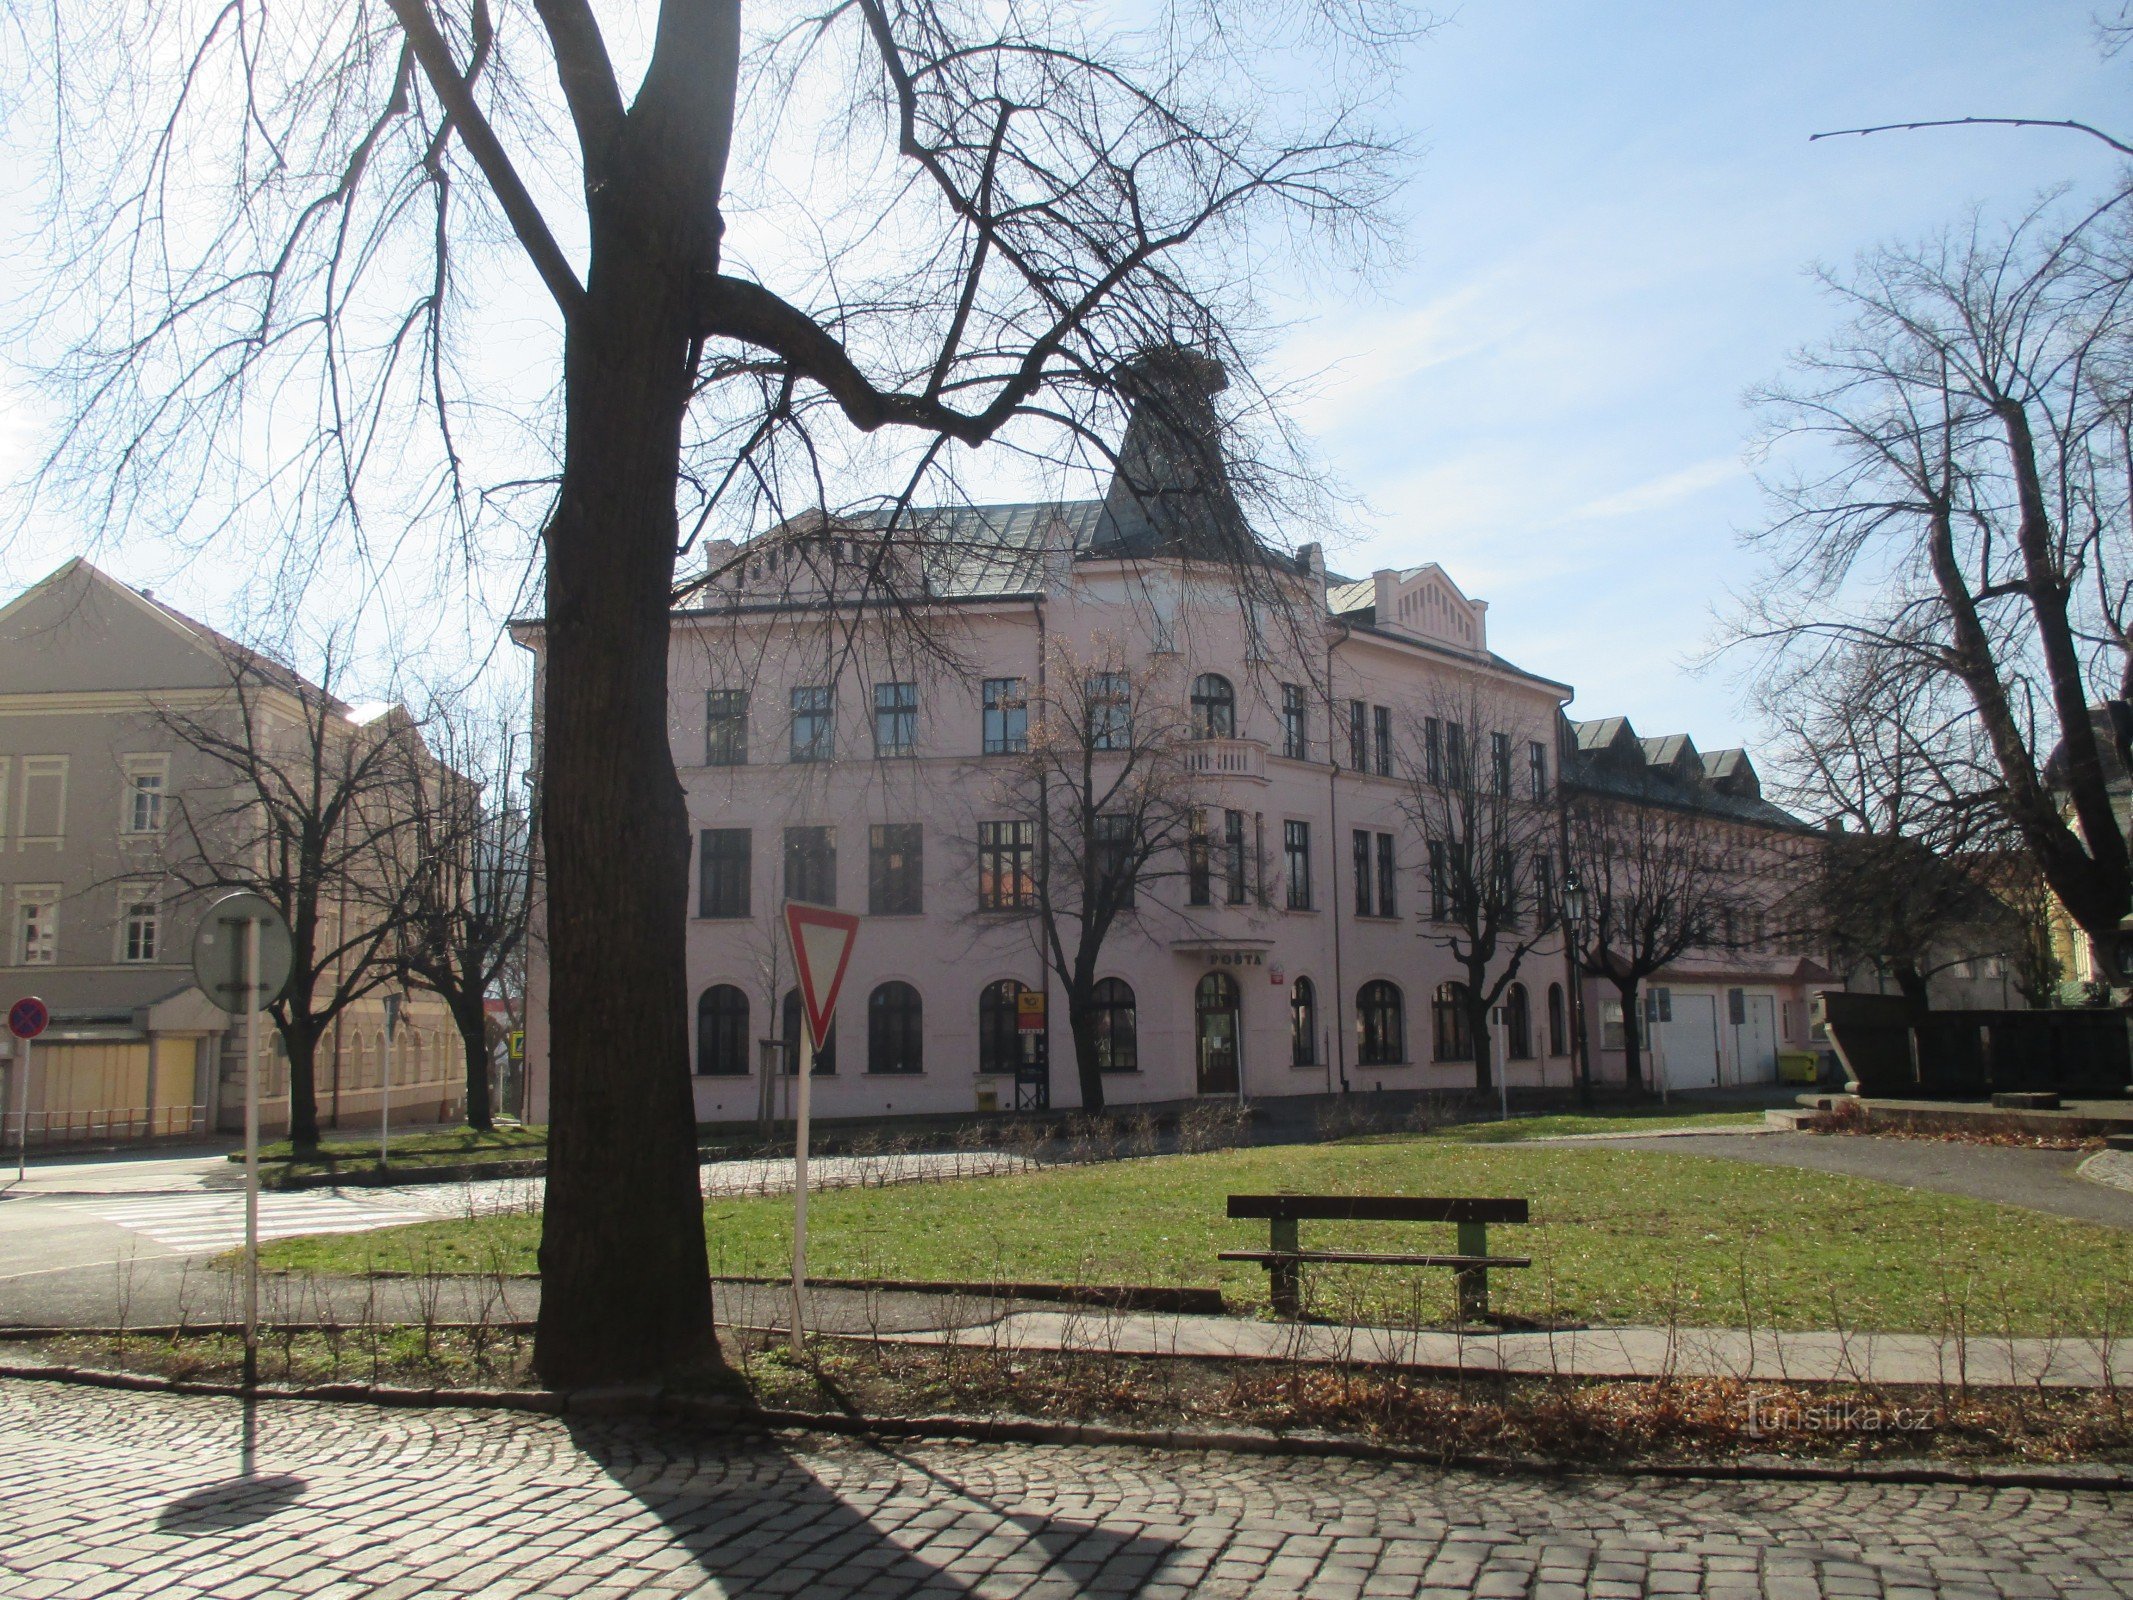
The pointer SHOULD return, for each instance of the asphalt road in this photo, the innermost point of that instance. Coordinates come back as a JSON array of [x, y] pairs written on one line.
[[2041, 1180]]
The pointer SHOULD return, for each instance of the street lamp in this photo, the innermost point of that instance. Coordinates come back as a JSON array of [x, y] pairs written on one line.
[[1573, 924]]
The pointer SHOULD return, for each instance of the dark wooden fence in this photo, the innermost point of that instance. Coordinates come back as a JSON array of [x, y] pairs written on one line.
[[1962, 1055]]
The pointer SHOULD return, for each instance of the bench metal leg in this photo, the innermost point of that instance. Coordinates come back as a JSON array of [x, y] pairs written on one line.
[[1284, 1275], [1473, 1281]]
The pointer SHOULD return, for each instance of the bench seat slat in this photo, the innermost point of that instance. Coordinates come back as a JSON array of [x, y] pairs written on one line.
[[1373, 1258], [1374, 1208]]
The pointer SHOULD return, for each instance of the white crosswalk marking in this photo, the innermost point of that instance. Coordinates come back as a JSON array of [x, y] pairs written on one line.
[[206, 1222]]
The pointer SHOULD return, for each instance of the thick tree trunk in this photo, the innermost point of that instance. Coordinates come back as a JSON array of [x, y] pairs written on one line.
[[473, 1024], [1632, 1034], [1477, 1026], [626, 1289], [1911, 984], [301, 1044], [1088, 1068]]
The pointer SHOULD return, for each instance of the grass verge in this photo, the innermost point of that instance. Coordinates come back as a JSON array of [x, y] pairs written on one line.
[[443, 1146], [1619, 1236]]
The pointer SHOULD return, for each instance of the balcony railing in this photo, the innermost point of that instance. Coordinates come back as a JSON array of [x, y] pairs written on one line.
[[1226, 758]]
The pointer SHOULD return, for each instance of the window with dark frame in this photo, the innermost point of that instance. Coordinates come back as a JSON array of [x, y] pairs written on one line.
[[1517, 1024], [1454, 1040], [1537, 769], [1358, 736], [1112, 844], [1433, 749], [1117, 1026], [1199, 885], [1006, 862], [895, 720], [896, 1030], [1214, 707], [896, 869], [1295, 722], [1110, 711], [1500, 763], [723, 860], [1388, 878], [1557, 1042], [1303, 1024], [1380, 1029], [726, 727], [1006, 717], [1296, 854], [1233, 857], [1440, 899], [814, 723], [1455, 755], [811, 865], [1381, 725], [1364, 902], [1544, 887], [999, 1041], [722, 1032]]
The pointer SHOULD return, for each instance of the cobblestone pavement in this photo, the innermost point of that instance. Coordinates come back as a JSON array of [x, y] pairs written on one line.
[[104, 1493]]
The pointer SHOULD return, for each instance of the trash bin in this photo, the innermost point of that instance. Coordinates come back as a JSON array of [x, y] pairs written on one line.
[[988, 1097], [1798, 1066]]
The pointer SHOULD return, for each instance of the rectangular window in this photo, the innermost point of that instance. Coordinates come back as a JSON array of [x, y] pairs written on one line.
[[1455, 755], [1388, 898], [140, 923], [1381, 724], [1113, 845], [1233, 856], [1110, 711], [44, 801], [811, 865], [1433, 749], [1296, 854], [1506, 890], [726, 727], [1440, 895], [1612, 1034], [723, 856], [1199, 886], [147, 778], [814, 723], [895, 869], [895, 719], [1006, 866], [1500, 763], [37, 926], [1358, 736], [1537, 769], [1295, 723], [1006, 717], [1544, 887], [1364, 902]]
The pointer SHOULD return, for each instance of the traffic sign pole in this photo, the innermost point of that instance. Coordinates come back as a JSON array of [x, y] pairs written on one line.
[[799, 1192], [251, 1156], [22, 1110], [821, 947]]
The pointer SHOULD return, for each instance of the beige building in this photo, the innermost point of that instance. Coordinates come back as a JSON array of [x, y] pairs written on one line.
[[93, 783]]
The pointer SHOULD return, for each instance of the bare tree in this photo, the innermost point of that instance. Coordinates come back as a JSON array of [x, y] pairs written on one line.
[[314, 806], [1105, 803], [773, 247], [1656, 884], [1491, 843], [463, 871], [1954, 495]]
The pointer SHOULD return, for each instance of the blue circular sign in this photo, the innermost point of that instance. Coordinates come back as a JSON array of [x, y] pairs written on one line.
[[27, 1017]]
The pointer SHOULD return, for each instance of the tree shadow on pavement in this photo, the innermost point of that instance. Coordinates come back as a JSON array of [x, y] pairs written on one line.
[[756, 1514], [232, 1503]]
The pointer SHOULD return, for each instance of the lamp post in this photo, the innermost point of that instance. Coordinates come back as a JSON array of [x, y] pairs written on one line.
[[1573, 940]]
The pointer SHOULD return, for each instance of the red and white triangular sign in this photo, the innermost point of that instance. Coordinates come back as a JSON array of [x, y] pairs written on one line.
[[821, 946]]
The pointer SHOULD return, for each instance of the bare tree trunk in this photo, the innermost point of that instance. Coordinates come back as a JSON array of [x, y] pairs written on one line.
[[1088, 1067], [1477, 1027], [1632, 1033], [1911, 984], [473, 1025], [300, 1042], [625, 1278]]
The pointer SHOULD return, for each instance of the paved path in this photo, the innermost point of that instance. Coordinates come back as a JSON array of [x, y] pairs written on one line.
[[2041, 1180], [113, 1495]]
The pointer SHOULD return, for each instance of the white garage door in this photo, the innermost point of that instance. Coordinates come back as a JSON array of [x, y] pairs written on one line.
[[1690, 1042]]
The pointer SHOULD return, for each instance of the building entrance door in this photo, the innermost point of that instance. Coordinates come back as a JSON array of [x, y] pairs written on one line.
[[1689, 1042], [1216, 1007]]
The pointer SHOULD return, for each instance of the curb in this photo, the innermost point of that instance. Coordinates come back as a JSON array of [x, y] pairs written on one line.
[[651, 1401]]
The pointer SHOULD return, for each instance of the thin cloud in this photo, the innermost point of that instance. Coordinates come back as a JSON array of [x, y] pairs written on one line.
[[1655, 494]]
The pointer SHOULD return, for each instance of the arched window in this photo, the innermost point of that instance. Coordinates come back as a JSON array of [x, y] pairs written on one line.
[[1454, 1041], [1303, 1024], [412, 1073], [998, 1048], [1517, 1024], [790, 1022], [1380, 1025], [1558, 1042], [722, 1032], [896, 1028], [1117, 1027], [1214, 707]]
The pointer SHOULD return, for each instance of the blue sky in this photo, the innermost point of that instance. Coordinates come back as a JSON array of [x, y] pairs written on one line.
[[1607, 232]]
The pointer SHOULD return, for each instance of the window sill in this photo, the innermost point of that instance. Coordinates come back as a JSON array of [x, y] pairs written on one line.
[[1381, 1066], [1302, 911]]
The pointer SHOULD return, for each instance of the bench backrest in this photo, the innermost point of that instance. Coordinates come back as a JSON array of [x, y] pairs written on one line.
[[1373, 1208]]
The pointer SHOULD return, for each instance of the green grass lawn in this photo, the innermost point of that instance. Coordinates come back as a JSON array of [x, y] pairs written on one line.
[[1558, 1124], [447, 1145], [1627, 1236]]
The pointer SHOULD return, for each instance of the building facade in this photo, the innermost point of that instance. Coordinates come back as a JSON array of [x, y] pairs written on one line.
[[93, 786]]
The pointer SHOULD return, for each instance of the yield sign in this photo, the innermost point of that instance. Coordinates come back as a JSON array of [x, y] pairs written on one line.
[[821, 946]]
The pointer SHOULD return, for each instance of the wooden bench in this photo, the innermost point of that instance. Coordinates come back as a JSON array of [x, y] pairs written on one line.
[[1283, 1255]]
